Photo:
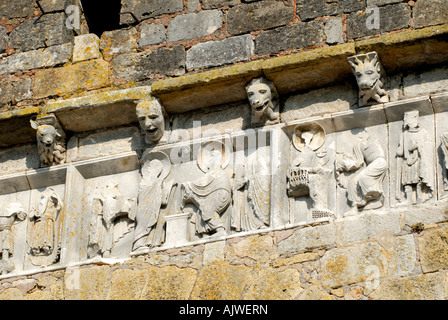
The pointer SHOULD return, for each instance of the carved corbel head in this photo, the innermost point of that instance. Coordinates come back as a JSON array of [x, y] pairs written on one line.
[[50, 139], [151, 116], [263, 99], [369, 74]]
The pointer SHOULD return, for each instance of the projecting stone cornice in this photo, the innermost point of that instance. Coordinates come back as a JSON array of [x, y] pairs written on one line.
[[297, 72], [302, 71]]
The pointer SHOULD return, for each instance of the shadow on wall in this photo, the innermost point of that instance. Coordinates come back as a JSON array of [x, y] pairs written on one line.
[[102, 15]]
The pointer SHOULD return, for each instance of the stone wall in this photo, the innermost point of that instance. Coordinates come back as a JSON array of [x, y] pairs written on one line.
[[398, 255], [195, 58], [41, 61]]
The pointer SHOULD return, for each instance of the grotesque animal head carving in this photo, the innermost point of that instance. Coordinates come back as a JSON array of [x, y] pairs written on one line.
[[262, 97], [50, 141], [151, 116], [368, 71]]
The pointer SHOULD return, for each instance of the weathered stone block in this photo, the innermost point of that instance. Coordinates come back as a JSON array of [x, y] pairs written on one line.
[[391, 17], [430, 12], [259, 249], [433, 249], [48, 30], [310, 9], [86, 283], [217, 53], [220, 280], [258, 16], [420, 287], [333, 30], [127, 284], [55, 5], [86, 47], [140, 66], [319, 102], [5, 91], [36, 59], [194, 25], [21, 89], [309, 238], [213, 4], [109, 142], [151, 33], [381, 2], [405, 255], [16, 9], [370, 225], [424, 83], [283, 285], [118, 41], [290, 37], [348, 265], [85, 75], [4, 39], [169, 283], [145, 9]]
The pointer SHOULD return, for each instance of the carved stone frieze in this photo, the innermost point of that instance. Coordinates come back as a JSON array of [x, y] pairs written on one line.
[[363, 171], [311, 170], [210, 193], [414, 179], [9, 215], [153, 196], [44, 229]]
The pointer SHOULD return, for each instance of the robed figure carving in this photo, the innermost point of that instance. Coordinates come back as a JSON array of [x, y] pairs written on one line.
[[9, 215], [251, 196], [414, 164], [113, 218], [309, 174], [362, 173], [211, 193], [44, 229], [444, 146], [153, 197]]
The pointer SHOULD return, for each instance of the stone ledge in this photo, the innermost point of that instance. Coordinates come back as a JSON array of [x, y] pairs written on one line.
[[302, 71], [98, 111], [15, 126]]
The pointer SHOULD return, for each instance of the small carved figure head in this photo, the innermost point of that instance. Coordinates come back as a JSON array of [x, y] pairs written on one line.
[[367, 70], [261, 93], [46, 134], [151, 116], [410, 119]]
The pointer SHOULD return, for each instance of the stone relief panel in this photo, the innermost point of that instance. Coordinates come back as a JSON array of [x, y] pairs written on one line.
[[370, 77], [441, 118], [211, 192], [13, 213], [412, 154], [111, 214], [154, 194], [310, 177], [45, 226], [252, 180], [362, 171]]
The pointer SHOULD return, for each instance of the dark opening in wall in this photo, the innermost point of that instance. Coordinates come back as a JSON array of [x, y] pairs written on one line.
[[102, 15]]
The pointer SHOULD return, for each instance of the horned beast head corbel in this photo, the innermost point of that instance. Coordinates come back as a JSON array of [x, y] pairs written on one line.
[[369, 75]]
